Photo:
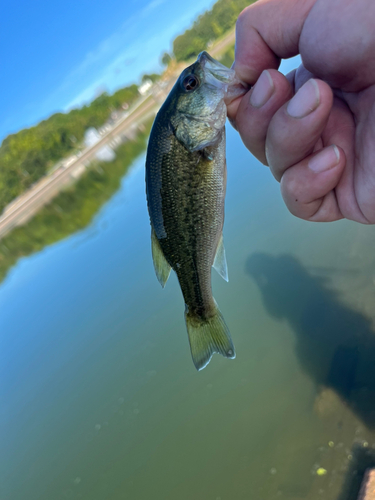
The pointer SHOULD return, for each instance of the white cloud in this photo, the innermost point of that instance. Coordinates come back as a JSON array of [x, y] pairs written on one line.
[[151, 6]]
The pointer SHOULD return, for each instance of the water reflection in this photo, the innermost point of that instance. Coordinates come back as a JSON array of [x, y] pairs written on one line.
[[335, 344], [73, 208]]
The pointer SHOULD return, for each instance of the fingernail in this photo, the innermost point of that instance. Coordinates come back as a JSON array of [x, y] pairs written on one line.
[[325, 159], [262, 91], [305, 101]]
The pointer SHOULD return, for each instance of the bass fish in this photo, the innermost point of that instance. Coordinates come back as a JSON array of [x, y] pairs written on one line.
[[185, 187]]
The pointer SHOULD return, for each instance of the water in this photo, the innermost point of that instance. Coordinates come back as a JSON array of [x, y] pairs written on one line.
[[100, 398]]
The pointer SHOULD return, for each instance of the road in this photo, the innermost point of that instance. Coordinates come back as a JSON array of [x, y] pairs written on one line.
[[223, 44], [27, 205], [48, 187]]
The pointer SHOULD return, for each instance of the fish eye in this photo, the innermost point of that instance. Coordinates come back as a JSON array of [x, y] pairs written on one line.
[[191, 82]]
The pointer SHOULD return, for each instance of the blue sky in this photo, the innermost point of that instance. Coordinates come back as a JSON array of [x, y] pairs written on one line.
[[57, 55]]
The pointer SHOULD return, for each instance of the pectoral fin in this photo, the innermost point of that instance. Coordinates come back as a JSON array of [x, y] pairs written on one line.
[[220, 262], [162, 268]]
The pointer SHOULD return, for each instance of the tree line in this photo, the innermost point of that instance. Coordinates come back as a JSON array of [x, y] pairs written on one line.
[[72, 209], [27, 155], [207, 28]]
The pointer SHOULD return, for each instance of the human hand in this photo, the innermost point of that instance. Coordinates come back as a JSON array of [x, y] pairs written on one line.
[[315, 128]]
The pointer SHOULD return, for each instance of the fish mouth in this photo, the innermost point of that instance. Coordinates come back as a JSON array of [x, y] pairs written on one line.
[[216, 74], [219, 76]]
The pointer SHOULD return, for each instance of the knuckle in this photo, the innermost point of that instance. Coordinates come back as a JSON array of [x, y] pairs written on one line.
[[287, 187], [249, 14], [242, 18], [297, 209], [244, 15], [293, 205], [293, 193]]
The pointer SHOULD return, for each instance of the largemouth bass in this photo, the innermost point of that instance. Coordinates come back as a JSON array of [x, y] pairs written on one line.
[[185, 186]]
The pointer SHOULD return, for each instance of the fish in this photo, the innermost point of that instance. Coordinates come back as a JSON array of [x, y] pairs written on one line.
[[185, 189]]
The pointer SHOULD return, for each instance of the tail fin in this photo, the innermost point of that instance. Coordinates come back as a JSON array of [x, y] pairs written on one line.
[[207, 337]]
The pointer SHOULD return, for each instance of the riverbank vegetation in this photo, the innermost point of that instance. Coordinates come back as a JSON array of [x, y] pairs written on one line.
[[228, 57], [207, 28], [28, 155], [74, 208]]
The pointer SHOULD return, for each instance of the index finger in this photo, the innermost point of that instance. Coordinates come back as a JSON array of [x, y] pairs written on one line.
[[267, 31]]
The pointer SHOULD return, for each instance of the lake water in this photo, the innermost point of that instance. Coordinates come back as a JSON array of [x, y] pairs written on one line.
[[101, 400]]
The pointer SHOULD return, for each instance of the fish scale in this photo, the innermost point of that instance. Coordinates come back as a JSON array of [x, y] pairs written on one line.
[[185, 185]]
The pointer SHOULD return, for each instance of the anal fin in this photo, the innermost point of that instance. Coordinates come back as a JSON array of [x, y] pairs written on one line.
[[162, 268], [220, 262]]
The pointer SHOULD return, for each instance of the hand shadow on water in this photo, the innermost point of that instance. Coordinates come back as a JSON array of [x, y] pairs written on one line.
[[335, 344], [363, 460]]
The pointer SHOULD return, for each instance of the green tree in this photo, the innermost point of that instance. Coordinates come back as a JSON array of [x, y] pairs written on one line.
[[154, 77], [27, 155], [74, 208], [207, 28], [166, 59]]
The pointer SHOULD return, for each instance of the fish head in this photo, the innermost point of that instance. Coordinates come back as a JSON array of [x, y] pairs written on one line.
[[199, 110]]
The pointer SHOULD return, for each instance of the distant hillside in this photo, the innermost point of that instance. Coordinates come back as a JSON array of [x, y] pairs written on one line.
[[74, 208], [27, 155], [207, 28]]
